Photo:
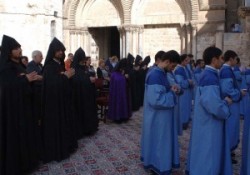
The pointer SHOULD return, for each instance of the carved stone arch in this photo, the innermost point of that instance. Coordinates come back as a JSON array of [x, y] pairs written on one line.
[[195, 9], [190, 9], [71, 6]]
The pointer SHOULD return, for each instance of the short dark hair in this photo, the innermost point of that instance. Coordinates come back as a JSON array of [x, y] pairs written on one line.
[[158, 55], [70, 54], [238, 60], [24, 57], [210, 53], [182, 58], [229, 54], [198, 62], [172, 56], [190, 55]]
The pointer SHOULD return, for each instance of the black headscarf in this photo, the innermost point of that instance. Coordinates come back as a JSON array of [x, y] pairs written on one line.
[[137, 60], [78, 56], [54, 46], [8, 44]]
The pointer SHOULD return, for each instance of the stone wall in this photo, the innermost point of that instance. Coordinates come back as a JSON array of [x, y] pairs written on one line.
[[203, 41], [29, 22], [239, 42], [160, 38]]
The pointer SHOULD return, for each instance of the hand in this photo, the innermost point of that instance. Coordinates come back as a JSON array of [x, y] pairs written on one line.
[[175, 89], [31, 76], [92, 79], [228, 100], [69, 73], [39, 77], [126, 75]]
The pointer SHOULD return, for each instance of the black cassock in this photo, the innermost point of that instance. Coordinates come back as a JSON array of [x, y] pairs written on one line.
[[17, 125], [134, 78], [57, 124], [83, 98]]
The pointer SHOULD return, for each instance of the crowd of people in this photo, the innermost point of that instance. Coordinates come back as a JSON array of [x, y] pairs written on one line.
[[217, 92], [46, 109]]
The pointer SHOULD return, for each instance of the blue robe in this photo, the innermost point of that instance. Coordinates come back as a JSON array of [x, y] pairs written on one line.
[[245, 101], [172, 81], [245, 165], [159, 151], [229, 88], [185, 100], [209, 152]]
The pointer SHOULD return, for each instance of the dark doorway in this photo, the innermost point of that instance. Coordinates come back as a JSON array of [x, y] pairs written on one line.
[[114, 41], [107, 39]]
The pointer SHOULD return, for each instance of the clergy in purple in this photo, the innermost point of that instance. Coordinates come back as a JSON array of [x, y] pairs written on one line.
[[118, 95]]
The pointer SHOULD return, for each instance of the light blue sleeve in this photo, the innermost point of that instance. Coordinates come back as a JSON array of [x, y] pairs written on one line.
[[171, 79], [158, 98], [227, 89], [197, 77], [210, 100], [183, 83], [237, 75]]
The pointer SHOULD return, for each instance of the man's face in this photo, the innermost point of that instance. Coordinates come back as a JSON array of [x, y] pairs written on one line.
[[59, 54], [234, 61], [71, 57], [39, 58], [170, 66], [24, 61], [218, 62], [16, 53], [186, 61], [202, 65]]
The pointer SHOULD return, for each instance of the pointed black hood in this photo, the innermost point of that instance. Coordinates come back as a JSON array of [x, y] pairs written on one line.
[[8, 44], [146, 61], [78, 56], [130, 58], [138, 59], [54, 46]]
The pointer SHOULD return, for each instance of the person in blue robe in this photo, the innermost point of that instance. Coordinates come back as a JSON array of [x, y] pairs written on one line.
[[186, 83], [229, 88], [209, 152], [198, 70], [245, 165], [159, 142], [172, 81]]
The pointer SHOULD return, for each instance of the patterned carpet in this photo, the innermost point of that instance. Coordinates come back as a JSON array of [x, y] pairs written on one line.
[[114, 150]]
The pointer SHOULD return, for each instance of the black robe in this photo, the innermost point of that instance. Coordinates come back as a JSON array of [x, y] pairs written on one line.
[[58, 137], [84, 97], [18, 153], [134, 78], [36, 87]]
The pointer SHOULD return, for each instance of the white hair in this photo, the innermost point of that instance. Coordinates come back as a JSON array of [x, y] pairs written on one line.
[[35, 53]]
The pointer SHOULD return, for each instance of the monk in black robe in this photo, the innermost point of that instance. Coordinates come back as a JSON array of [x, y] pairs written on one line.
[[17, 125], [58, 138], [136, 90], [84, 96]]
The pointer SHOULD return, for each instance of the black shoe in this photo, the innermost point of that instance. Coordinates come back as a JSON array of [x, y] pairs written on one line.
[[234, 161]]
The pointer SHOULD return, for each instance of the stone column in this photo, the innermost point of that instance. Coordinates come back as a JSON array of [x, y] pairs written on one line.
[[183, 34], [219, 36], [134, 41], [122, 48], [140, 41], [194, 40], [128, 39], [188, 39], [86, 45]]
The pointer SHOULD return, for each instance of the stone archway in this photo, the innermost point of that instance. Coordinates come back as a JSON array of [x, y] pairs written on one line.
[[89, 25]]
